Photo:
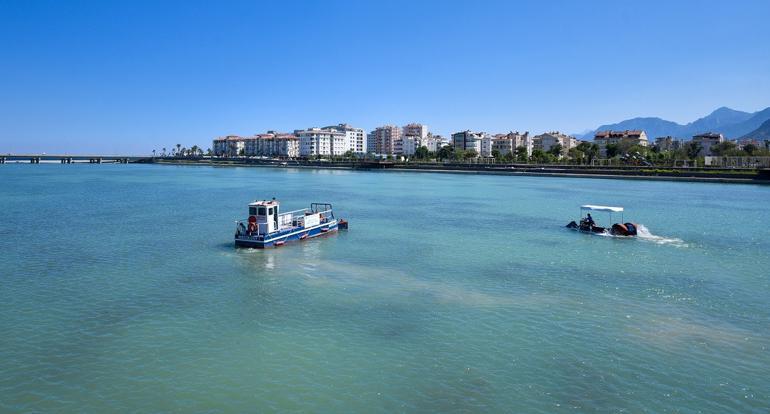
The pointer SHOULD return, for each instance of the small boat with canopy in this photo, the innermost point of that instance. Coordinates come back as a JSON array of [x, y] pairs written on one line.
[[588, 225]]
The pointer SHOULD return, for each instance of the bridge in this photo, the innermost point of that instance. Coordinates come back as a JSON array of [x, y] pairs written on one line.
[[72, 159]]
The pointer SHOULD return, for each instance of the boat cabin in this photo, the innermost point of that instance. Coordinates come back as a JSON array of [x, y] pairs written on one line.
[[263, 216]]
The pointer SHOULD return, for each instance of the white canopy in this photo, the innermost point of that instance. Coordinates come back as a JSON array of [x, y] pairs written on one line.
[[602, 208]]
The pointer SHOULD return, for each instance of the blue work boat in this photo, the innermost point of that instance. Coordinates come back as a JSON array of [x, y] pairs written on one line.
[[266, 226]]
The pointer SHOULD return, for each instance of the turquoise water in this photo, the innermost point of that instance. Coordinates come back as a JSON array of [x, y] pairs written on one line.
[[122, 292]]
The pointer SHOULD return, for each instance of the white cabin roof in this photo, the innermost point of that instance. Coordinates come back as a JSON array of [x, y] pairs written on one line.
[[267, 203], [601, 208]]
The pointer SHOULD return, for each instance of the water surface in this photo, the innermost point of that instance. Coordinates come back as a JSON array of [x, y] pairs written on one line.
[[121, 291]]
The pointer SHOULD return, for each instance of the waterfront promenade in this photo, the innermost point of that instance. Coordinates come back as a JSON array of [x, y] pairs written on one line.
[[703, 174]]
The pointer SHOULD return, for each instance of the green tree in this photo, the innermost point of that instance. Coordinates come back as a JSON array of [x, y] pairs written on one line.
[[445, 152], [576, 155], [612, 150], [723, 148], [471, 153], [422, 153], [521, 154], [692, 149], [496, 155], [458, 154], [750, 149], [538, 155], [555, 150]]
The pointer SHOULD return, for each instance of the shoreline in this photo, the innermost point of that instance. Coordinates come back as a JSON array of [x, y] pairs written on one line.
[[562, 172]]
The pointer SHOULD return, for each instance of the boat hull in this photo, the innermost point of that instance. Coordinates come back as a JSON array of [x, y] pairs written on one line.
[[617, 229], [281, 238]]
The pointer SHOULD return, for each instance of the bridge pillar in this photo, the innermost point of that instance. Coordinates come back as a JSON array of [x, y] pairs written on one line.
[[2, 160], [34, 160], [98, 160]]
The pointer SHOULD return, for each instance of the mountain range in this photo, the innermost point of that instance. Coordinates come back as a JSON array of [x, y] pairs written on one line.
[[762, 133], [731, 123]]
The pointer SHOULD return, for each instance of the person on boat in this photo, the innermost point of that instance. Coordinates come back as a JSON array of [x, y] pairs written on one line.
[[590, 220]]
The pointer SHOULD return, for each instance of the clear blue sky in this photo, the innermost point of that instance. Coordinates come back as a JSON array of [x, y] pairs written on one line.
[[132, 76]]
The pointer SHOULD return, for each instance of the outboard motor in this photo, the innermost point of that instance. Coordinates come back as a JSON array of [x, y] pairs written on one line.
[[572, 225], [619, 229], [626, 229]]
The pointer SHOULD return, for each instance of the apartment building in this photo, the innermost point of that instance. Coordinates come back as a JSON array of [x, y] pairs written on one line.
[[320, 142], [355, 138], [632, 137]]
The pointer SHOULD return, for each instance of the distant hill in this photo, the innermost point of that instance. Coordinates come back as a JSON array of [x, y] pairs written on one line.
[[654, 127], [731, 123], [742, 128], [718, 120], [762, 133]]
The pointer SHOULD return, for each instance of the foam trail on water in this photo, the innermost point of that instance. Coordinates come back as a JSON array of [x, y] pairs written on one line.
[[644, 233]]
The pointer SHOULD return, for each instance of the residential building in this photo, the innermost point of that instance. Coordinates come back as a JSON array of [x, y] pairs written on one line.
[[486, 146], [229, 146], [432, 142], [507, 143], [355, 139], [667, 143], [418, 131], [387, 140], [546, 141], [320, 142], [632, 137], [275, 144], [706, 141], [750, 141], [409, 145], [371, 142], [468, 140]]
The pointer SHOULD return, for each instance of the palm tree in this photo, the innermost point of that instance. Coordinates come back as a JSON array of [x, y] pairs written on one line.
[[164, 152], [178, 148]]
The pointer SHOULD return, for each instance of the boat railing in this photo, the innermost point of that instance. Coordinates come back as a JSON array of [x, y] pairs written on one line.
[[295, 218]]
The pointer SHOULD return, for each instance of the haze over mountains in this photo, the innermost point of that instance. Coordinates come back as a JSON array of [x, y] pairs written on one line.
[[733, 124]]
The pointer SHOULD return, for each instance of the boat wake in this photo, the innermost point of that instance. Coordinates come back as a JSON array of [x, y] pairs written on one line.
[[643, 233]]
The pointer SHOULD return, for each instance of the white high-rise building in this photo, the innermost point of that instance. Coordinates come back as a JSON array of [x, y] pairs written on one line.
[[319, 142], [355, 139], [486, 146], [408, 145]]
